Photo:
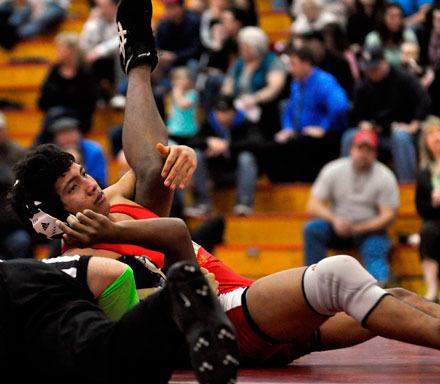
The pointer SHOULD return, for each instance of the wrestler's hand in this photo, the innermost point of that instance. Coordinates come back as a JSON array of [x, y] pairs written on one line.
[[87, 228], [213, 283], [180, 164]]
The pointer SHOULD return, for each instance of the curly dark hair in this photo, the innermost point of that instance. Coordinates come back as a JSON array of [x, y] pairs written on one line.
[[35, 178]]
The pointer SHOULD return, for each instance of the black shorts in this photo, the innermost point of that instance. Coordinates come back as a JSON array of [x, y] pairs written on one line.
[[54, 330]]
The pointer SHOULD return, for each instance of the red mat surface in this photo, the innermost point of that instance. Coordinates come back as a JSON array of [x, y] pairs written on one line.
[[378, 361]]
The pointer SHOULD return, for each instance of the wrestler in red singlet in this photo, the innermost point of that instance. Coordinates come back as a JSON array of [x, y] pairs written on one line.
[[255, 346], [228, 280]]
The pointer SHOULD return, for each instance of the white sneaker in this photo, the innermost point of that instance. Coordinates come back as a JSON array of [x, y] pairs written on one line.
[[118, 102], [197, 210], [243, 210]]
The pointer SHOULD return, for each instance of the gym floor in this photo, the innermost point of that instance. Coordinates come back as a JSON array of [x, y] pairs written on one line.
[[378, 361]]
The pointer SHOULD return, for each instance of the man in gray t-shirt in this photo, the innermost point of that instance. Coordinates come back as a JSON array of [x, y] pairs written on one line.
[[354, 200]]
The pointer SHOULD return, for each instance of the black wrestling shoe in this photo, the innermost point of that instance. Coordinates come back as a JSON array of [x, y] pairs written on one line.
[[136, 39], [211, 339]]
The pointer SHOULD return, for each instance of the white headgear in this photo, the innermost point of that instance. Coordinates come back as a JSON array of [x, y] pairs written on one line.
[[45, 224]]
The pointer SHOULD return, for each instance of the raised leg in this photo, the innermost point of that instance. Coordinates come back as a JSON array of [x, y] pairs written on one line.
[[143, 125]]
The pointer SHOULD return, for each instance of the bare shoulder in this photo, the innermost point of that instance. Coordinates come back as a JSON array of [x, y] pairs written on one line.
[[123, 189]]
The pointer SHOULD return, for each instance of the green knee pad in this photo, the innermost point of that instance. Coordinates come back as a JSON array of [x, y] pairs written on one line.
[[119, 296]]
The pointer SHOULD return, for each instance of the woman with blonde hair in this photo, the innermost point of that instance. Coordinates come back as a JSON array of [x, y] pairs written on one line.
[[69, 90], [428, 204]]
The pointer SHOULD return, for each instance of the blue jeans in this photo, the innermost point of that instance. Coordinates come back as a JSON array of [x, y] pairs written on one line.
[[28, 28], [244, 174], [402, 148], [318, 236]]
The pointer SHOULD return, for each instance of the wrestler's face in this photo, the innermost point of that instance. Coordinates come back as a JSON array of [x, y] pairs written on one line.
[[79, 191]]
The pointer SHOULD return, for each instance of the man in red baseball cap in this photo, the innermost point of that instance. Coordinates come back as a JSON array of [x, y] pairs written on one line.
[[354, 200], [366, 137]]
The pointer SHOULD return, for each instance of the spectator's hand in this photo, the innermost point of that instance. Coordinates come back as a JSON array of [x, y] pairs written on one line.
[[87, 228], [435, 197], [342, 227], [167, 57], [248, 101], [366, 125], [314, 131], [180, 164], [210, 277], [216, 146], [428, 78], [284, 135]]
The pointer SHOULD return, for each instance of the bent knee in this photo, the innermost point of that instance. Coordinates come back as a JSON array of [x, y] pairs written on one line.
[[340, 283]]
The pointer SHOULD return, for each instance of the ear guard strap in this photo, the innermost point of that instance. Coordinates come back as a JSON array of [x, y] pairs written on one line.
[[44, 224]]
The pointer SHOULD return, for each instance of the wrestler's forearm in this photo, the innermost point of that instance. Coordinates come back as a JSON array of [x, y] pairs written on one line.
[[168, 235]]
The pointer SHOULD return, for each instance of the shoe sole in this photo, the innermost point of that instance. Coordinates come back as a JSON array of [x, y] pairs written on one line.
[[211, 339]]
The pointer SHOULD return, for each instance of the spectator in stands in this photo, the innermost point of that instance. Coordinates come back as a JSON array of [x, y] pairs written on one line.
[[99, 42], [210, 22], [331, 61], [312, 16], [414, 11], [68, 89], [8, 33], [390, 33], [391, 102], [182, 122], [178, 37], [66, 134], [15, 240], [336, 41], [313, 119], [410, 60], [256, 80], [336, 8], [362, 20], [225, 150], [249, 8], [429, 37], [178, 43], [428, 204], [34, 17], [223, 52], [360, 210]]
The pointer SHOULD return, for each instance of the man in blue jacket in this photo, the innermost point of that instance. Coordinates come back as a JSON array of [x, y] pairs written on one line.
[[313, 118]]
